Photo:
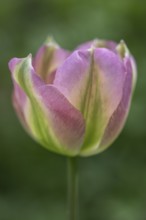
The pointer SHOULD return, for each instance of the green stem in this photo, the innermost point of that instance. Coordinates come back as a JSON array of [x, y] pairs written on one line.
[[72, 189]]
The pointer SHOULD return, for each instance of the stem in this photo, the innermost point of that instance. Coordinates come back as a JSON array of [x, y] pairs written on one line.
[[72, 189]]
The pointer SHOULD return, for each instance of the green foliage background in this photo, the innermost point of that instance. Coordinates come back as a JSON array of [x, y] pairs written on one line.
[[33, 180]]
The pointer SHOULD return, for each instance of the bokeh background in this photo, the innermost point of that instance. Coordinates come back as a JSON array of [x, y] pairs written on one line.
[[33, 180]]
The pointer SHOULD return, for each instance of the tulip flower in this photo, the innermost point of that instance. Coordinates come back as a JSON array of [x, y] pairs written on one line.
[[74, 103]]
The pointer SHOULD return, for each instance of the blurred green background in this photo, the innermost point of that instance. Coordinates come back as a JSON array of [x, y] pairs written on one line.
[[33, 180]]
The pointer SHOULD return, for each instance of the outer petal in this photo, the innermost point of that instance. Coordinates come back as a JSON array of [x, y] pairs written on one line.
[[19, 102], [48, 58], [51, 119], [105, 96], [90, 79], [19, 97], [66, 122], [118, 118]]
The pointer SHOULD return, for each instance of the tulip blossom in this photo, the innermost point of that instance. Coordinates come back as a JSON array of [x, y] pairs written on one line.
[[74, 103]]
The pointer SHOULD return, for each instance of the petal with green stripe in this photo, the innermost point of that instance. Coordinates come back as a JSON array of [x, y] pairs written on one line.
[[51, 119]]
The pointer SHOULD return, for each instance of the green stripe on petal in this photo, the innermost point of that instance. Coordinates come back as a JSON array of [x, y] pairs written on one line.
[[47, 60], [47, 118], [34, 113], [92, 80], [104, 93], [66, 122]]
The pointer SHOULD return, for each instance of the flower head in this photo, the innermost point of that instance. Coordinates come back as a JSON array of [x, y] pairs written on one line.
[[74, 103]]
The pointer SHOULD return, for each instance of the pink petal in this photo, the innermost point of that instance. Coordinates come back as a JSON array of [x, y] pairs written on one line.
[[48, 58], [72, 77], [93, 82], [51, 119], [66, 122], [105, 95], [111, 76], [118, 118], [19, 98]]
